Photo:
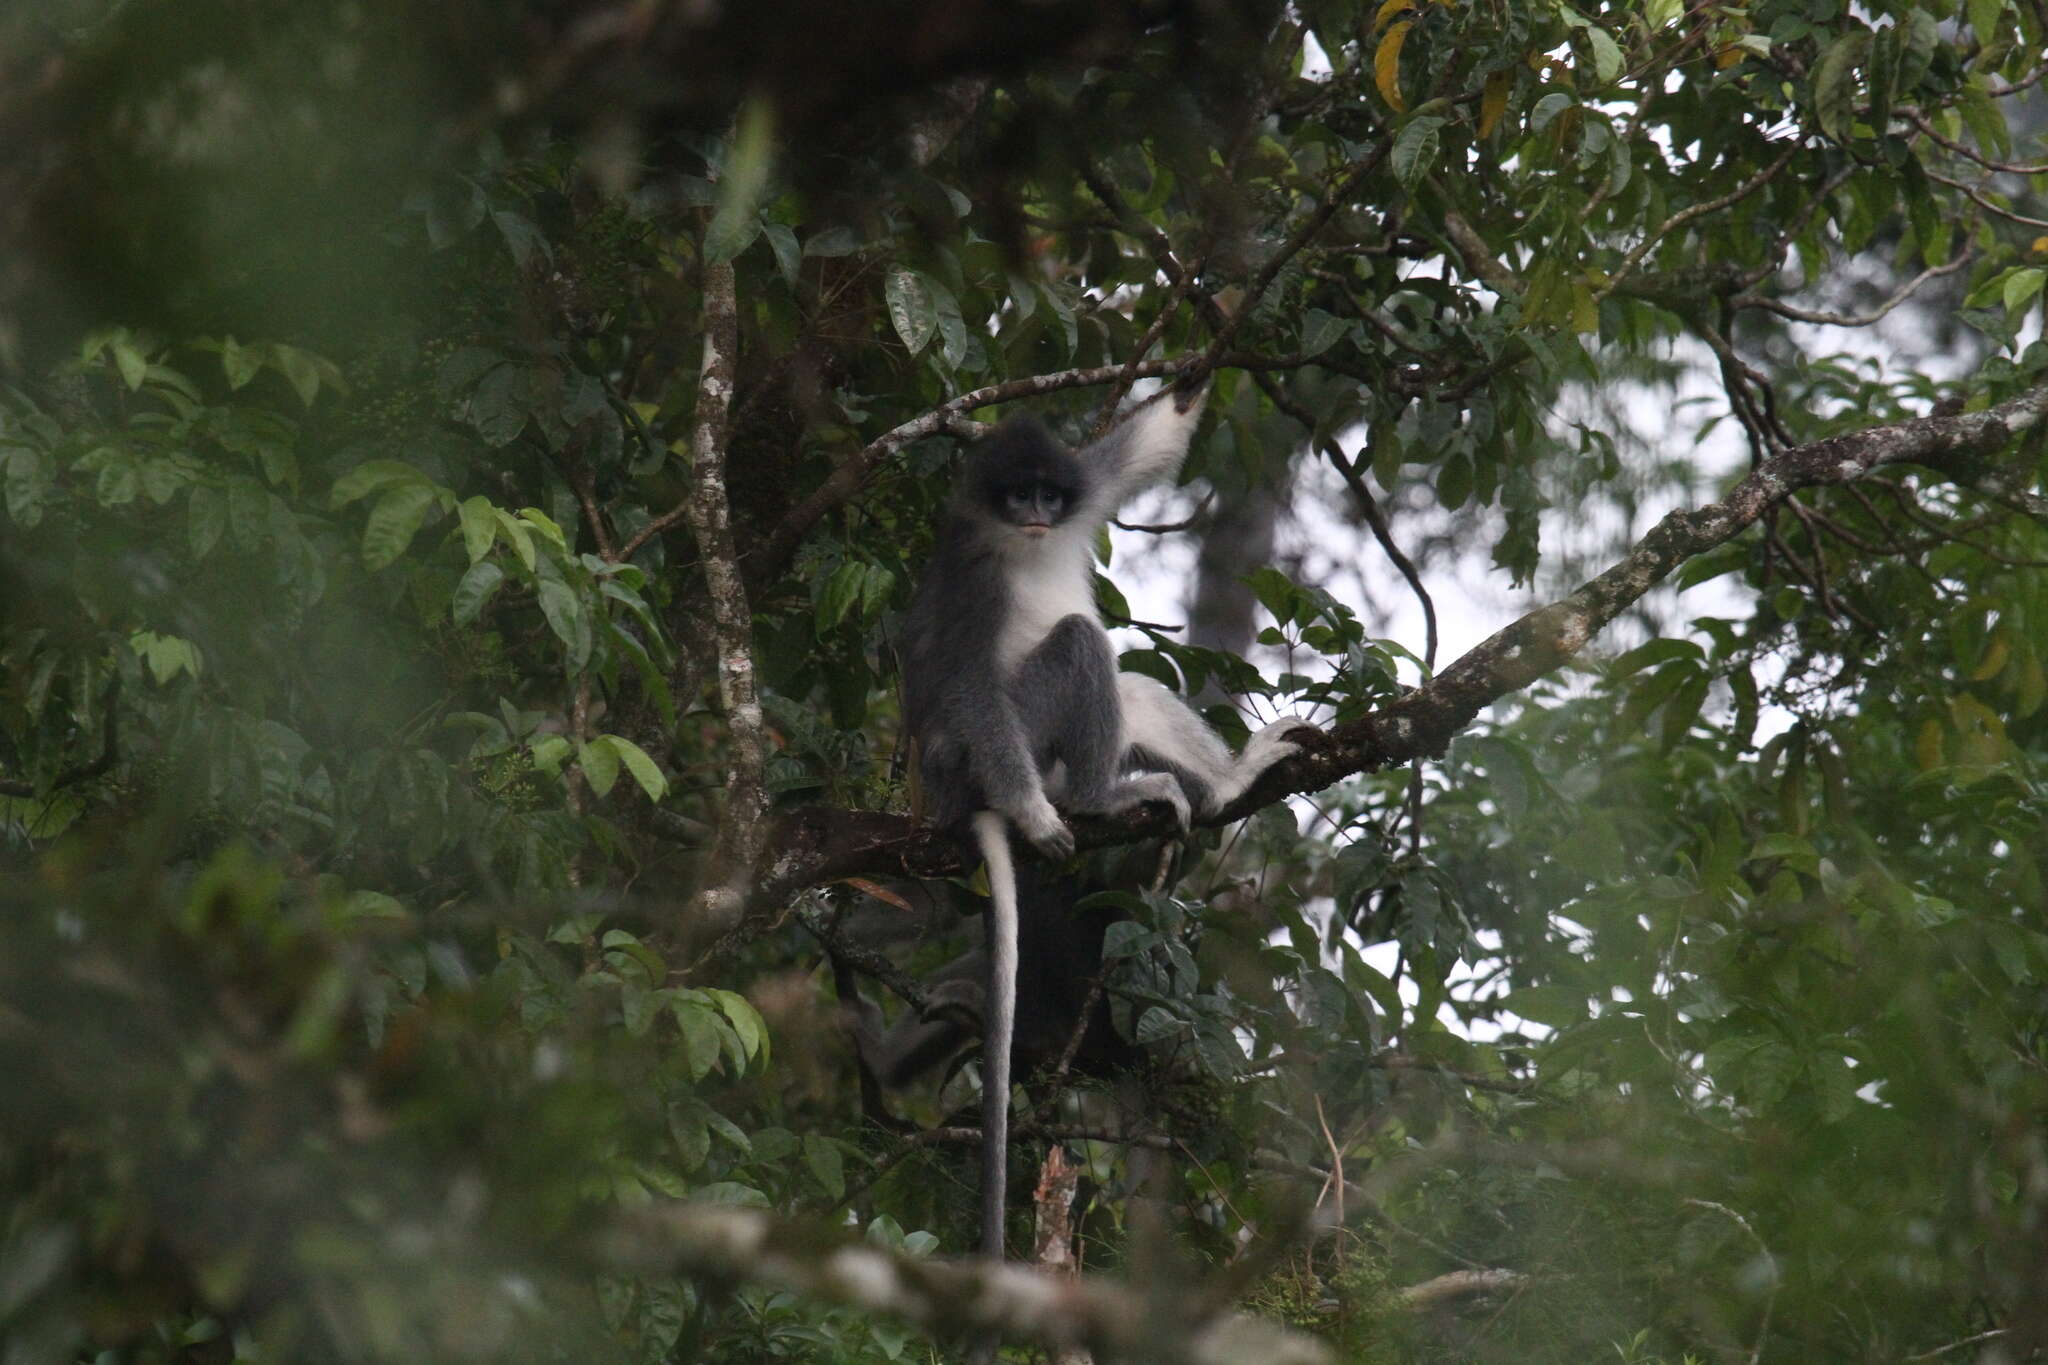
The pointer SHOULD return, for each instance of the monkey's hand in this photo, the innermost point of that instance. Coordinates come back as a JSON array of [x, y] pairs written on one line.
[[1276, 741], [1043, 829]]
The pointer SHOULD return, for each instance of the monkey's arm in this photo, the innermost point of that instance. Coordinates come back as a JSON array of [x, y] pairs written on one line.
[[1144, 448]]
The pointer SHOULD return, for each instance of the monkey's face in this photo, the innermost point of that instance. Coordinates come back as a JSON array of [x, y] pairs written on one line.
[[1035, 508]]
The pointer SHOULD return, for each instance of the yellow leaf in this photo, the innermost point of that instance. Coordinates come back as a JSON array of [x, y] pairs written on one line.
[[1493, 101], [2039, 246], [1386, 65], [1979, 733], [1927, 746], [880, 893], [2033, 686], [1993, 662], [1388, 10], [1585, 312]]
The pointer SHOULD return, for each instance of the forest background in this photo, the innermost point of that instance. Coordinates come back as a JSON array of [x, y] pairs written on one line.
[[462, 469]]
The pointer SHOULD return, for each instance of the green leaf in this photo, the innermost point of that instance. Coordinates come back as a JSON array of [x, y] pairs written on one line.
[[1919, 35], [522, 238], [599, 763], [1654, 652], [912, 310], [1126, 938], [1607, 62], [1157, 1024], [1551, 1006], [1984, 18], [474, 591], [1415, 149], [518, 533], [952, 329], [133, 365], [742, 183], [563, 610], [644, 769], [546, 525], [393, 522], [689, 1131], [834, 241], [206, 517], [1662, 13], [788, 255], [479, 526], [746, 1022], [1547, 109], [549, 753], [240, 364], [1834, 82], [827, 1164], [701, 1029], [304, 369], [369, 477], [1320, 331], [639, 1007], [166, 656], [841, 591], [2021, 286]]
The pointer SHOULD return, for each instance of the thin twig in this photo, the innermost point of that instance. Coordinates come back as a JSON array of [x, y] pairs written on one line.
[[1687, 215], [1763, 1330], [1160, 528], [1940, 1351], [2009, 167], [1906, 291], [1985, 204]]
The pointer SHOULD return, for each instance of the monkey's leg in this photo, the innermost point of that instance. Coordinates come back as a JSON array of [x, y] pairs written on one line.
[[1165, 733], [1065, 694]]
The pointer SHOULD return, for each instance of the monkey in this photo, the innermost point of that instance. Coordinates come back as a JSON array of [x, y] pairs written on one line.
[[1014, 702], [1059, 952]]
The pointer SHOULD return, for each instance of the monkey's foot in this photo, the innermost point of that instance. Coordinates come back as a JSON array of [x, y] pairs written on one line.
[[1162, 788], [956, 1002], [1043, 829]]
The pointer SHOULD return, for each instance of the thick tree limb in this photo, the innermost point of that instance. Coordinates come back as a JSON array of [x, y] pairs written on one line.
[[743, 830], [1450, 1290], [947, 1298], [816, 844]]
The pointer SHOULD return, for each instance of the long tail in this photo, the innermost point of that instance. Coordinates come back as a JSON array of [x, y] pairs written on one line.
[[1000, 1019]]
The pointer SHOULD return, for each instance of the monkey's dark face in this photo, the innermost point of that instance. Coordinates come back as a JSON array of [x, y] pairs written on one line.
[[1023, 478], [1035, 509]]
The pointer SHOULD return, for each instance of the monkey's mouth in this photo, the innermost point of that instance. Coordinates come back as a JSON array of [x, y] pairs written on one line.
[[1034, 529]]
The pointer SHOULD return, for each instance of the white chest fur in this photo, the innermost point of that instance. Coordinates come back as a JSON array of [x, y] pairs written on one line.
[[1048, 582]]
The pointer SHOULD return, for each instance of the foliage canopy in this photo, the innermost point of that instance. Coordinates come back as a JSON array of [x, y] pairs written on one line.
[[460, 472]]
